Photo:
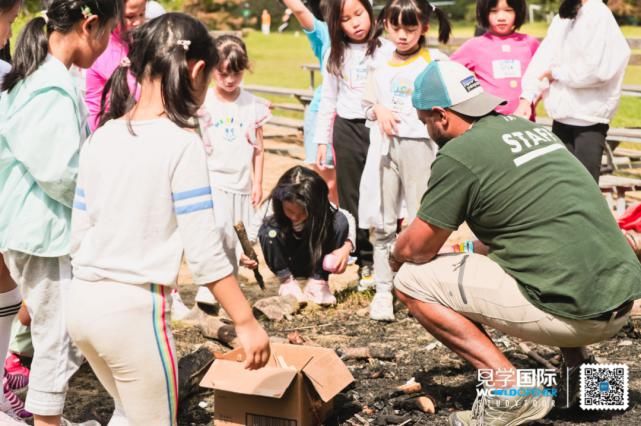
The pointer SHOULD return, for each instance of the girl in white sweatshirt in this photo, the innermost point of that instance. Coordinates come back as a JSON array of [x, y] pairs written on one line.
[[578, 70]]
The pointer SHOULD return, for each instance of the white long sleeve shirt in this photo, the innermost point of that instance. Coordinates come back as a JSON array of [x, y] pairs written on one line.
[[141, 202], [587, 57], [343, 95]]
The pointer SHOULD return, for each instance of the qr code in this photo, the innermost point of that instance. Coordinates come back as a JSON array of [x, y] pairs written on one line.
[[604, 387]]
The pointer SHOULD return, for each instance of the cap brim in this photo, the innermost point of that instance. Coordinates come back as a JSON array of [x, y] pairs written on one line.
[[479, 105]]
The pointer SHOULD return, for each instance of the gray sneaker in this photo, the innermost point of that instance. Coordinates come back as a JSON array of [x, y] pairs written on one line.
[[503, 411]]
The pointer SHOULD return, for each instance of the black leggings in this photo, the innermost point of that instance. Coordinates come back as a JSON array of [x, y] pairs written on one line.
[[351, 143], [585, 142]]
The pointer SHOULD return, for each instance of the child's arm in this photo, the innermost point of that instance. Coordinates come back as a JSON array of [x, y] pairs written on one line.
[[374, 111], [326, 113], [343, 252], [258, 166], [302, 13], [252, 336]]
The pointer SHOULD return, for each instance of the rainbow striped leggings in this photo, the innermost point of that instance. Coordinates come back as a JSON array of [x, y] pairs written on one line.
[[124, 332]]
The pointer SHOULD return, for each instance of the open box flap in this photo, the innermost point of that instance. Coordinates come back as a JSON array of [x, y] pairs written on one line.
[[327, 373], [231, 376]]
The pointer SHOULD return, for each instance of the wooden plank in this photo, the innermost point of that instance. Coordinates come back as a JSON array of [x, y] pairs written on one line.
[[632, 154], [291, 123], [609, 181], [288, 107], [273, 90]]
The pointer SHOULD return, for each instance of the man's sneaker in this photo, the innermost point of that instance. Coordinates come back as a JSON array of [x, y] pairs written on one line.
[[16, 404], [365, 278], [570, 384], [317, 291], [178, 309], [489, 410], [291, 288], [382, 306]]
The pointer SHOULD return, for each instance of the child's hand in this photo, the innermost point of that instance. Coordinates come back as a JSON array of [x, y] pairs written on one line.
[[386, 120], [247, 262], [342, 254], [255, 343], [321, 156], [524, 109], [257, 195]]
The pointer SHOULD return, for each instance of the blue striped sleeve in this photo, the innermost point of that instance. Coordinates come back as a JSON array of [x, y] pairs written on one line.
[[190, 208], [198, 192]]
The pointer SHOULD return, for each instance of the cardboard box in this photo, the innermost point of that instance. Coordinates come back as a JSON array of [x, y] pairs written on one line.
[[295, 388]]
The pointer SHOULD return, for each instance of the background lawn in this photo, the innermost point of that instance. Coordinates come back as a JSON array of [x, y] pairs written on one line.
[[277, 59]]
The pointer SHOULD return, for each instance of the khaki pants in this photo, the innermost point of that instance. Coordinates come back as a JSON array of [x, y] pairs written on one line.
[[478, 288]]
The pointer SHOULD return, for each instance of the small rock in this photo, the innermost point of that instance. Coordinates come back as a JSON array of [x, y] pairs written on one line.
[[203, 404], [625, 343], [276, 308]]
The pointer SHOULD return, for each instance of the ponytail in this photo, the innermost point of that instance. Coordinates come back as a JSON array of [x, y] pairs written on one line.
[[61, 16], [116, 92], [411, 13], [30, 53], [444, 25], [569, 9]]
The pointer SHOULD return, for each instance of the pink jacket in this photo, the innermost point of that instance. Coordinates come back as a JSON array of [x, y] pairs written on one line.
[[499, 63], [100, 72]]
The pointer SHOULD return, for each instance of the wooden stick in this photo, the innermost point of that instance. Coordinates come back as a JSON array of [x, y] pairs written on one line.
[[535, 356], [249, 251]]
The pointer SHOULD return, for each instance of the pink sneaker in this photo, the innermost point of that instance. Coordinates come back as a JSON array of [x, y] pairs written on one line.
[[291, 288], [317, 291], [12, 365], [16, 404], [15, 373]]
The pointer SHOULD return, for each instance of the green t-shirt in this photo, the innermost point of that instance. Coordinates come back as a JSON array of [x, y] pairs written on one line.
[[540, 212]]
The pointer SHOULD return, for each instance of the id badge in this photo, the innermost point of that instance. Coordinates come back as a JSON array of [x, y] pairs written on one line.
[[506, 68]]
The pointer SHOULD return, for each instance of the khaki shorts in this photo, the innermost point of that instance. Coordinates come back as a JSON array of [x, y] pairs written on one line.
[[481, 290]]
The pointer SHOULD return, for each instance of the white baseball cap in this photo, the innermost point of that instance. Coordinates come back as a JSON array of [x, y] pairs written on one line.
[[448, 84]]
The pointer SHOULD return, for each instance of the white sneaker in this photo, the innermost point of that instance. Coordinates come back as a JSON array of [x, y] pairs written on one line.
[[178, 309], [204, 296], [365, 278], [382, 306]]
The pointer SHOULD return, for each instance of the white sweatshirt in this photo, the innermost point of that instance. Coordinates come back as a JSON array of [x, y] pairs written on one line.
[[587, 57], [343, 95], [141, 202]]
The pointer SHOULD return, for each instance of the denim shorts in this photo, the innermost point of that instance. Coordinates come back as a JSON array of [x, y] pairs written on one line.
[[309, 127]]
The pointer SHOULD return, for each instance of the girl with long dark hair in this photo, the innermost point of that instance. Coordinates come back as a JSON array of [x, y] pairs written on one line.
[[43, 121], [353, 53], [306, 236]]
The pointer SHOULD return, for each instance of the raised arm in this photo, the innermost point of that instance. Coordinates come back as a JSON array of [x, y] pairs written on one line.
[[302, 14]]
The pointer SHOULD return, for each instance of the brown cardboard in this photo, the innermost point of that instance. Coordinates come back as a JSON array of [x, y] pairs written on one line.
[[296, 387]]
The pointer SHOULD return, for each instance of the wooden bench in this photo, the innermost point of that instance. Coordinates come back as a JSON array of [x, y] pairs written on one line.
[[304, 96]]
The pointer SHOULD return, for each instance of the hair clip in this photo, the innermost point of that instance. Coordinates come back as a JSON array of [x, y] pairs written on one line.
[[184, 43], [86, 11], [433, 8], [125, 62], [43, 15]]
